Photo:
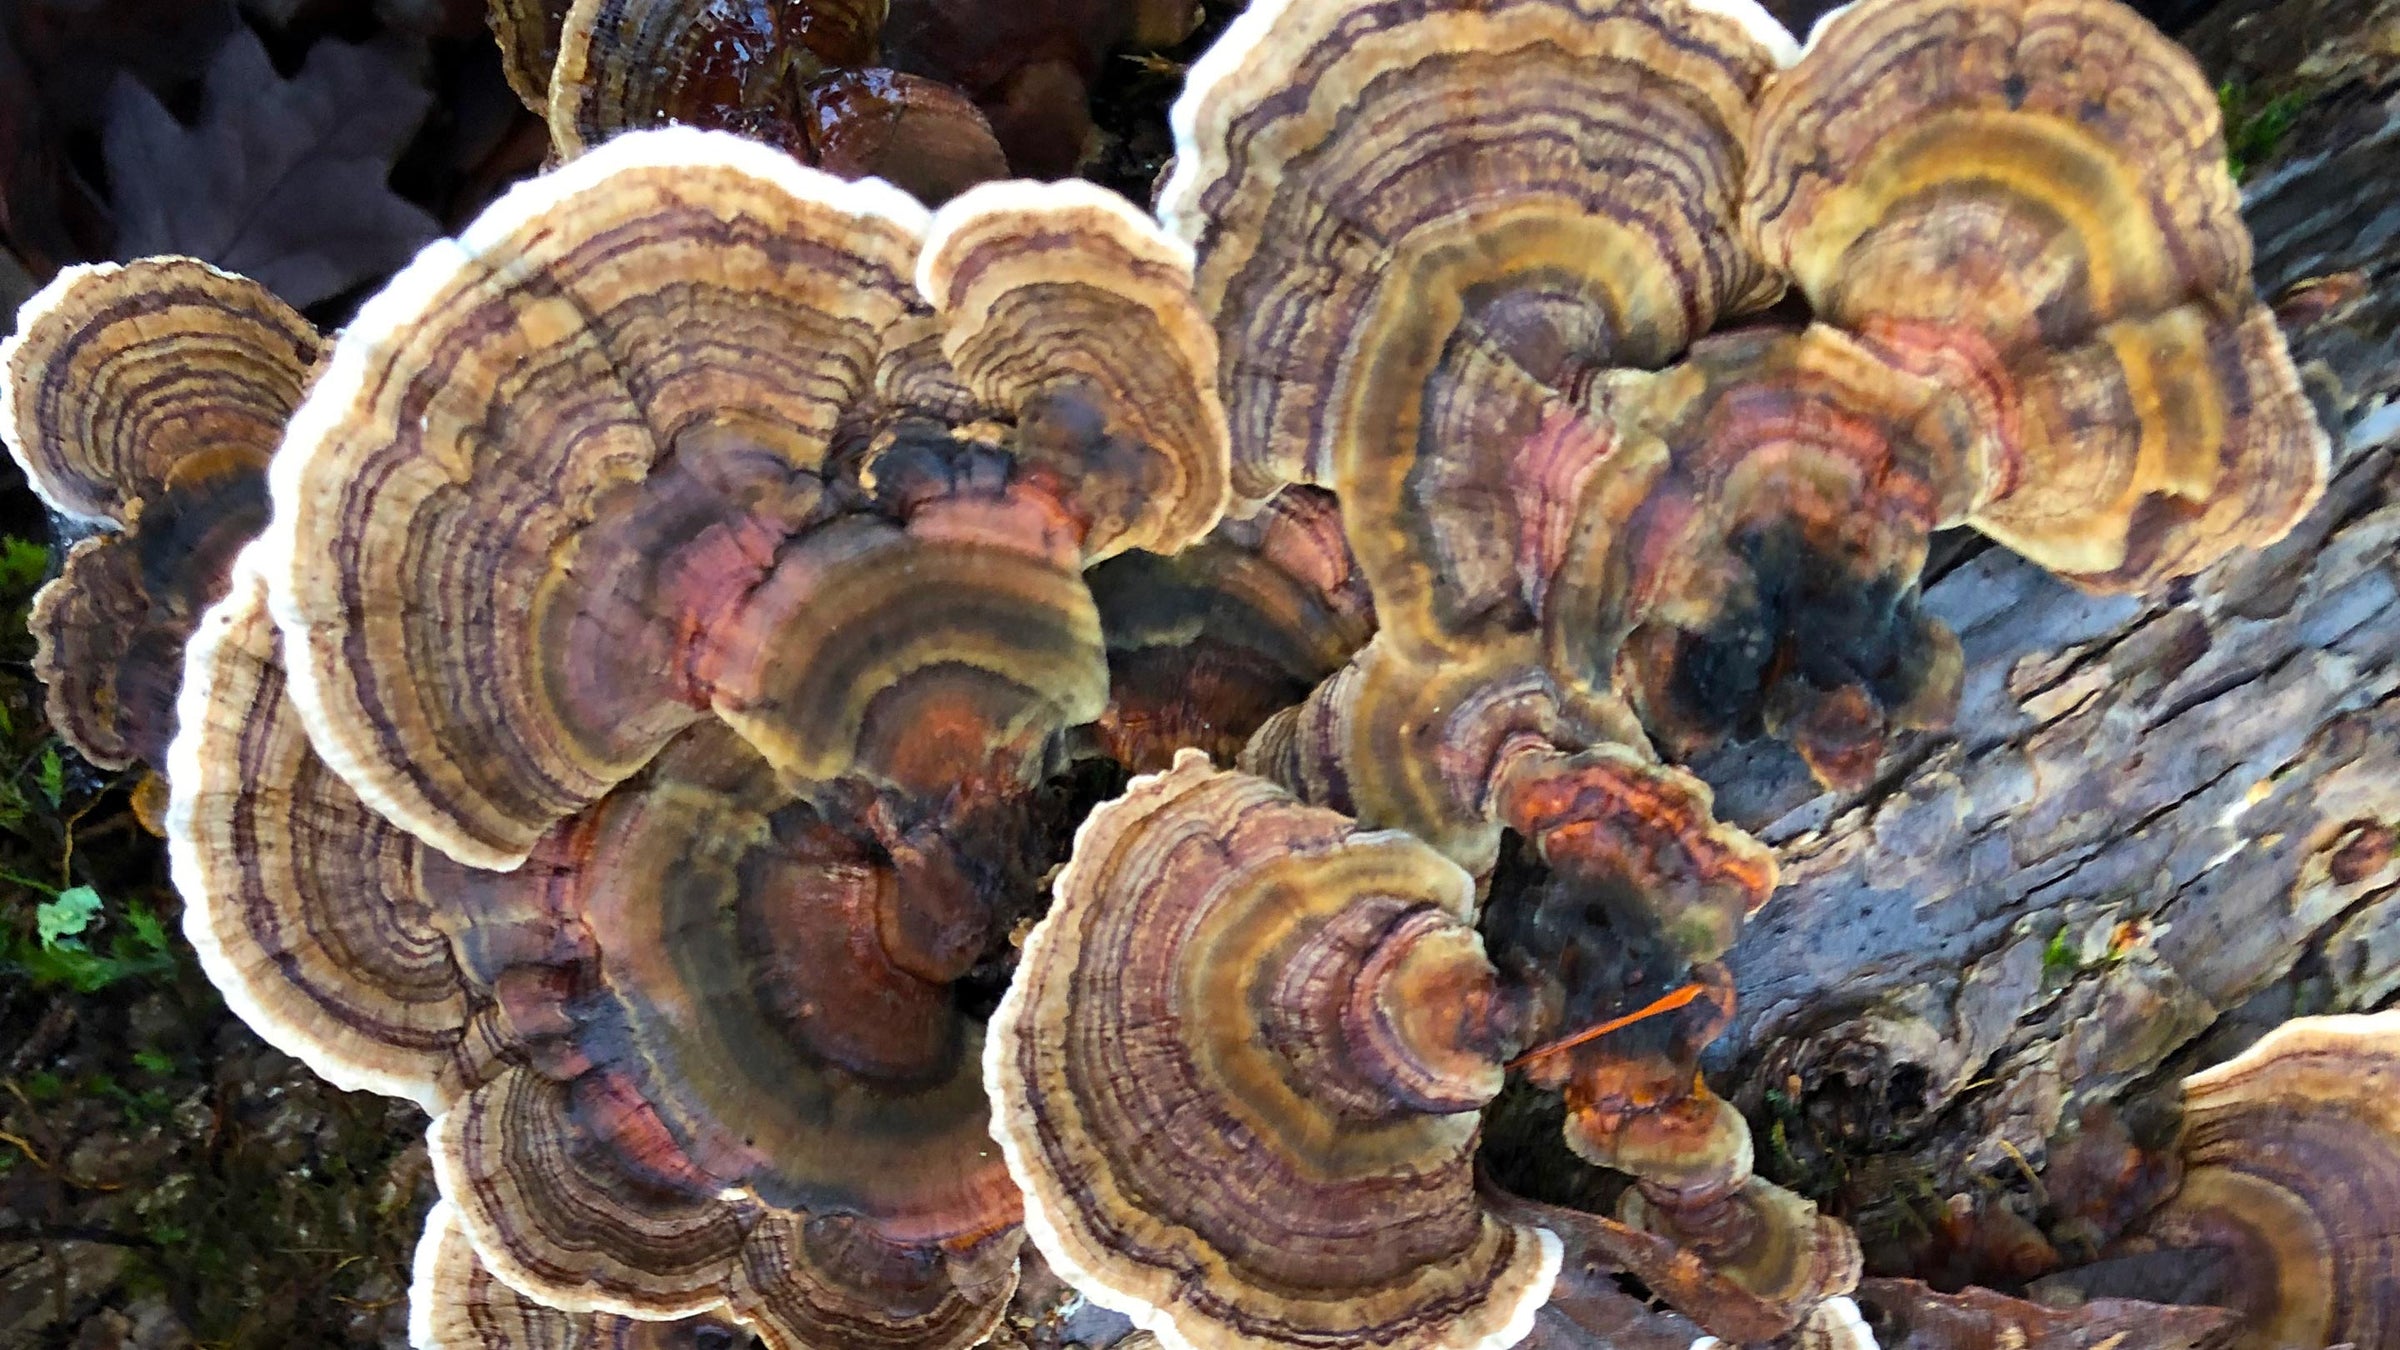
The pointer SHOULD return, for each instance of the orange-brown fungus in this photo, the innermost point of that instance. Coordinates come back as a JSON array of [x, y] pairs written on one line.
[[774, 1117], [2027, 201], [143, 399], [715, 435], [2291, 1156], [1748, 1283], [1238, 1076]]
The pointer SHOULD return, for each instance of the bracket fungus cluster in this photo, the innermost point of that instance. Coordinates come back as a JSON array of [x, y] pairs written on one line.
[[143, 401], [643, 712], [622, 737], [859, 88]]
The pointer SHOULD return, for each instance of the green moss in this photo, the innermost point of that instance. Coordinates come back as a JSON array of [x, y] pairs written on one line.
[[2255, 126]]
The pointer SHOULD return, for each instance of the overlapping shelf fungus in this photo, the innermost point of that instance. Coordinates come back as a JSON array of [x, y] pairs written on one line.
[[680, 723]]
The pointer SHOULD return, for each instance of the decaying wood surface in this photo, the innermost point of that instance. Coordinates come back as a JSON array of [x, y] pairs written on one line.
[[2161, 824]]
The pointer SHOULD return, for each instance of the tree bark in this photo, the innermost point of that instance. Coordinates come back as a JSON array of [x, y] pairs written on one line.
[[2160, 824]]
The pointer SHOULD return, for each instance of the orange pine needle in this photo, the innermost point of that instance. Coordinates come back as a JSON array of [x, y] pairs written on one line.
[[1666, 1003]]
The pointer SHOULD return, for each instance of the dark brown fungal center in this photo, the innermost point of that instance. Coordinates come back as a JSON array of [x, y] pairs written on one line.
[[1809, 624]]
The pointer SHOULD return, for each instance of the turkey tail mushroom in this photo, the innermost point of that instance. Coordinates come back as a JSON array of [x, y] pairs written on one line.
[[2291, 1154], [620, 1124], [587, 475], [1237, 1076], [455, 1303], [1765, 577], [309, 912], [2027, 200], [1205, 646], [144, 399], [1433, 239]]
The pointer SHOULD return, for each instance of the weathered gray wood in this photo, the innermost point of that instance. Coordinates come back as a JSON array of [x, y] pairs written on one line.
[[2160, 824]]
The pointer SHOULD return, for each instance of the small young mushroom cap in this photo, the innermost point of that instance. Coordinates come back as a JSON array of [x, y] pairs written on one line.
[[1765, 576], [1406, 744], [307, 910], [1064, 303], [2291, 1153], [2029, 199], [569, 484], [145, 399], [1762, 1238], [1204, 646], [1706, 1282], [1609, 820], [1474, 207], [455, 1303], [1237, 1076]]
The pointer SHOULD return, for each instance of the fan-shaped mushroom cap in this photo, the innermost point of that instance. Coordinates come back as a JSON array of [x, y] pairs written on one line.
[[583, 1196], [700, 1052], [454, 1303], [1238, 1071], [1475, 205], [308, 911], [550, 448], [1610, 819], [2029, 198], [1206, 645], [146, 399], [1764, 1239], [2292, 1165], [1765, 577], [799, 76], [566, 485], [1412, 745], [1064, 303]]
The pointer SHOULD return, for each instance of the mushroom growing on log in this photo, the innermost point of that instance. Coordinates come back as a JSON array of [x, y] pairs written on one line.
[[1238, 1072], [2027, 200], [638, 402], [618, 1126], [2291, 1157], [699, 541], [144, 400]]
